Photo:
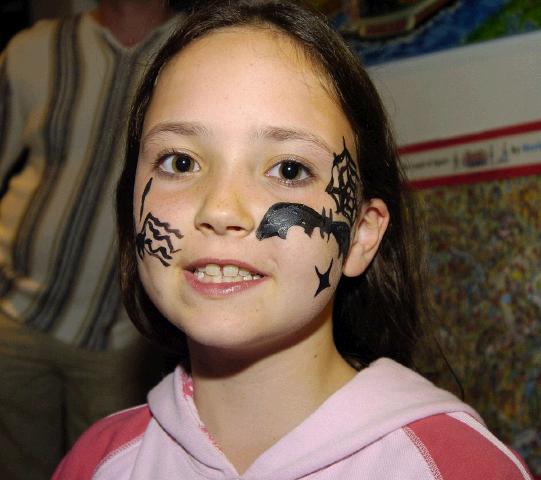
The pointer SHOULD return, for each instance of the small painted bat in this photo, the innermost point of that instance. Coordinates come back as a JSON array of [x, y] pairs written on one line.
[[280, 217]]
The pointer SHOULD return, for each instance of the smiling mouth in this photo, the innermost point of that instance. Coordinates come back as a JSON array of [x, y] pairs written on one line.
[[213, 273]]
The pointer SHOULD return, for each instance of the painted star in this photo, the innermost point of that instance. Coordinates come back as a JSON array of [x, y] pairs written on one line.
[[323, 279]]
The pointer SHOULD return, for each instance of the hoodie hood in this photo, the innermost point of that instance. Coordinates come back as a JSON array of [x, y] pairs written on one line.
[[380, 399]]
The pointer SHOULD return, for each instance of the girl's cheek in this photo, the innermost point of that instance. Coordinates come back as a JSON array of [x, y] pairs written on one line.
[[157, 285], [310, 264]]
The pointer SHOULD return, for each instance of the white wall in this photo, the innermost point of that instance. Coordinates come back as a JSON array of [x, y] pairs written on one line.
[[463, 90]]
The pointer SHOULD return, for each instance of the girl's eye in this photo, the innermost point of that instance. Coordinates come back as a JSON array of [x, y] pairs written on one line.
[[290, 172], [176, 163]]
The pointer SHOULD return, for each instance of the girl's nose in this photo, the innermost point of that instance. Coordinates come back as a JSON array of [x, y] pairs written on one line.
[[225, 210]]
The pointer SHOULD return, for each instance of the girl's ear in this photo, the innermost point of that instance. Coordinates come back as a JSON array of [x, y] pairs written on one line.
[[369, 229]]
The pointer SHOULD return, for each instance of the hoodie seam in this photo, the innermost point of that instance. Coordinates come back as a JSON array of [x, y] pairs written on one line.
[[434, 470], [197, 465]]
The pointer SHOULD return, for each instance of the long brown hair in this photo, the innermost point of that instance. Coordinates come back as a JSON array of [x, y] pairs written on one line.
[[376, 314]]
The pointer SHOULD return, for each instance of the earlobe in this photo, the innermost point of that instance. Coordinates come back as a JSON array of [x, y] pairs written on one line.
[[369, 229]]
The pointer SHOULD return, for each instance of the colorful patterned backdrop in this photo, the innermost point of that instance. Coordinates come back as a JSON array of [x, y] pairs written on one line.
[[485, 268]]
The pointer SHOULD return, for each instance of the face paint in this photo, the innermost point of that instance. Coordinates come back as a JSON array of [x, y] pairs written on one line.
[[323, 279], [145, 193], [343, 188], [155, 235], [344, 185], [158, 242], [280, 217]]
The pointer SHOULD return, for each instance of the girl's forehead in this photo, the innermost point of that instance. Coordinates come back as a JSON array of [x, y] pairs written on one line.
[[243, 75], [248, 50], [264, 42]]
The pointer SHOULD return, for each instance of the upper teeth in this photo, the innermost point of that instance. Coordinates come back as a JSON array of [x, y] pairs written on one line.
[[231, 272]]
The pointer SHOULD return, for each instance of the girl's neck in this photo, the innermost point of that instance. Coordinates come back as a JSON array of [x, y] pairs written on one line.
[[130, 21], [252, 406]]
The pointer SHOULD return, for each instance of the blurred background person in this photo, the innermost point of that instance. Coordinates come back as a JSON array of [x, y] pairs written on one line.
[[68, 354]]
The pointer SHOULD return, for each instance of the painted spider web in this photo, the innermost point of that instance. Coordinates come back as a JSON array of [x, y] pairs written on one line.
[[344, 184]]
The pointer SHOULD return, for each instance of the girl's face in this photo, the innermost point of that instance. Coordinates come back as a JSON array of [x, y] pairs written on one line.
[[243, 225]]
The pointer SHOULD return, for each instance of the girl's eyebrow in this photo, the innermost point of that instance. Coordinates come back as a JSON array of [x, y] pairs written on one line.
[[178, 128], [282, 134]]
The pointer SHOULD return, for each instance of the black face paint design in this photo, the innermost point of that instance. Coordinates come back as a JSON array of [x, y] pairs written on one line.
[[323, 279], [155, 237], [344, 185], [145, 193], [344, 189], [280, 217]]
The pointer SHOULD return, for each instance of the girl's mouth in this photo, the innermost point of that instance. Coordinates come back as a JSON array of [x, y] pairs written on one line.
[[214, 273], [221, 278]]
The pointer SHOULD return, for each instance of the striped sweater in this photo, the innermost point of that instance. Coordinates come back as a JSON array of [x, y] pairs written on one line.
[[65, 90], [386, 423]]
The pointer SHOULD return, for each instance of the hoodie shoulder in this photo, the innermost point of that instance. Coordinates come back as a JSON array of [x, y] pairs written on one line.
[[457, 446], [102, 441]]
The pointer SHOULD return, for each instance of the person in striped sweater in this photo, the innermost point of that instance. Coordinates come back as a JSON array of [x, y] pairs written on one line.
[[68, 353]]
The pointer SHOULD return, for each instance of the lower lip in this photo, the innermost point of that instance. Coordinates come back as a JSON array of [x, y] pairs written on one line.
[[220, 289]]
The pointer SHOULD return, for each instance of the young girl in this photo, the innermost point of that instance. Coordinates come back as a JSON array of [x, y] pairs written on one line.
[[266, 237]]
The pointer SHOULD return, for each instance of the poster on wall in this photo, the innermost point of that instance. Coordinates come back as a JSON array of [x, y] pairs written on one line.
[[490, 155], [464, 114], [386, 30], [468, 114], [460, 79]]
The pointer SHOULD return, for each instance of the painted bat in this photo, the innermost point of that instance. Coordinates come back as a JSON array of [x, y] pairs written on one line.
[[280, 217]]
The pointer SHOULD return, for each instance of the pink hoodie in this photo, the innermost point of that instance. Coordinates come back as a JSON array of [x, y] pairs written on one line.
[[386, 423]]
